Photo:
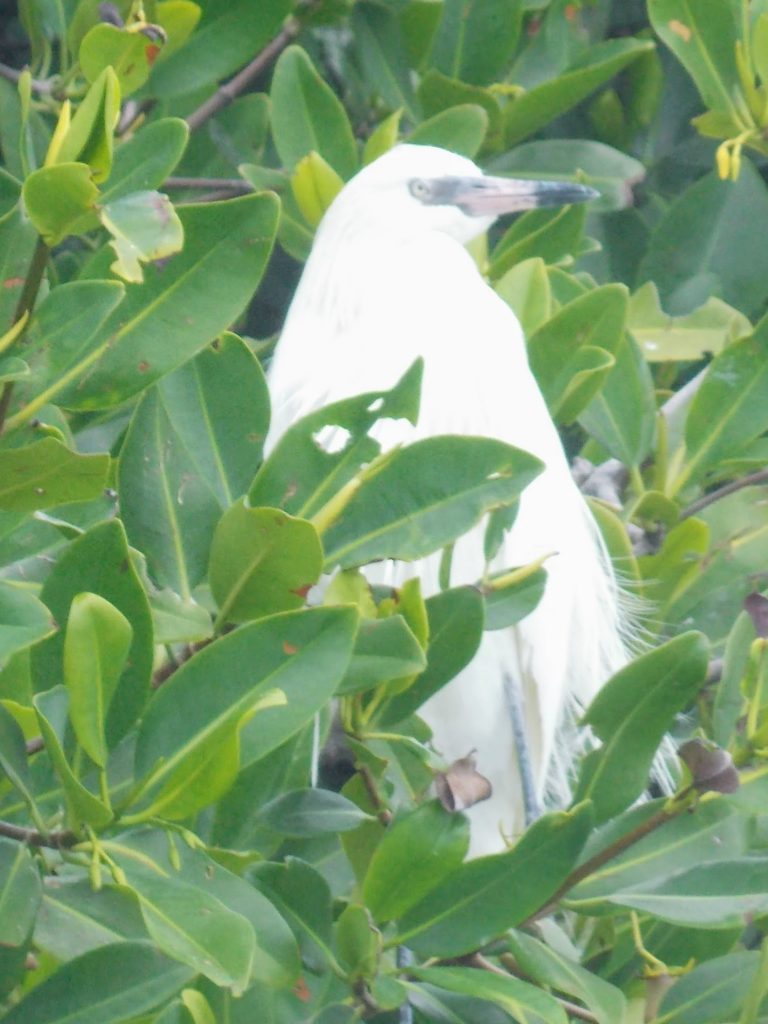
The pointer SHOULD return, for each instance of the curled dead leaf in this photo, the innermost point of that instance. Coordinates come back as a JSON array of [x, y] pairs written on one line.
[[712, 768], [462, 785], [756, 606]]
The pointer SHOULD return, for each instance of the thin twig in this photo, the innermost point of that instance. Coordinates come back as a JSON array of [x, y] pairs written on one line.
[[236, 185], [13, 75], [382, 812], [478, 960], [661, 817], [760, 477], [25, 304], [30, 836], [228, 92]]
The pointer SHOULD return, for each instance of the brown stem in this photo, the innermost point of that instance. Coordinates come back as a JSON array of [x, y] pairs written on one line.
[[30, 836], [236, 185], [25, 304], [382, 812], [752, 480], [573, 1009], [661, 817], [13, 75], [228, 92]]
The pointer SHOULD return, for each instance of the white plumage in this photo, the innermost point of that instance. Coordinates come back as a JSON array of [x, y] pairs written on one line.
[[388, 280]]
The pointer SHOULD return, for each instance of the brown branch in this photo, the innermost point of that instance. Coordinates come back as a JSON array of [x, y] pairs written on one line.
[[661, 817], [478, 960], [13, 75], [228, 92], [752, 480], [236, 185], [382, 811], [25, 304], [30, 836]]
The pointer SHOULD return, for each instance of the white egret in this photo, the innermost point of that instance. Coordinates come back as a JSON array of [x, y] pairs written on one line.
[[389, 279]]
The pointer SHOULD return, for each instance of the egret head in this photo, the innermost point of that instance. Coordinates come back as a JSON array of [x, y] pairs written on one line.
[[415, 188]]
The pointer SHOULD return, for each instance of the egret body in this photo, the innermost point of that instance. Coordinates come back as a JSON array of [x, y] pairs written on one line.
[[389, 279]]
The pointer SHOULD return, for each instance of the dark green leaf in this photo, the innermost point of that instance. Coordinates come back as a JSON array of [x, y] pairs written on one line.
[[511, 994], [631, 714], [20, 893], [105, 986], [482, 898], [309, 812], [461, 129], [384, 649], [23, 620], [382, 56], [476, 40]]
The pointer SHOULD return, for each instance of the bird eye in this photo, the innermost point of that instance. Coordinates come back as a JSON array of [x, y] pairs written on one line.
[[419, 188]]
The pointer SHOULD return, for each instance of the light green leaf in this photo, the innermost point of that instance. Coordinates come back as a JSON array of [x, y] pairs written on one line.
[[47, 473], [129, 54], [146, 159], [23, 620], [96, 644], [524, 1001], [385, 649], [705, 331], [461, 128], [262, 561], [144, 227], [89, 139], [61, 200]]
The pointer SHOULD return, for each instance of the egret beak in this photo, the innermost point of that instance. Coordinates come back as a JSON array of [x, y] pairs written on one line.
[[490, 197]]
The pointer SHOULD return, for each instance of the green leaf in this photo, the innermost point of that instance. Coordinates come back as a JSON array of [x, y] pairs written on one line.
[[146, 159], [13, 754], [711, 240], [315, 185], [129, 54], [527, 291], [730, 408], [611, 172], [424, 496], [714, 831], [511, 994], [105, 986], [308, 812], [302, 474], [705, 331], [18, 238], [622, 416], [96, 645], [307, 116], [484, 897], [13, 369], [192, 448], [438, 92], [24, 620], [194, 927], [384, 649], [89, 138], [705, 43], [303, 653], [83, 807], [716, 895], [61, 200], [74, 918], [548, 966], [558, 349], [507, 601], [275, 959], [551, 235], [475, 41], [303, 897], [181, 307], [540, 105], [227, 38], [729, 700], [381, 53], [455, 631], [99, 562], [144, 227], [47, 473], [59, 338], [418, 850], [262, 561], [461, 129], [631, 714], [20, 893], [711, 992]]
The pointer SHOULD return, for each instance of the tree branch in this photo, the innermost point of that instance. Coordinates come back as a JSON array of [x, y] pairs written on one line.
[[30, 836], [13, 75], [760, 477], [228, 92], [25, 304]]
